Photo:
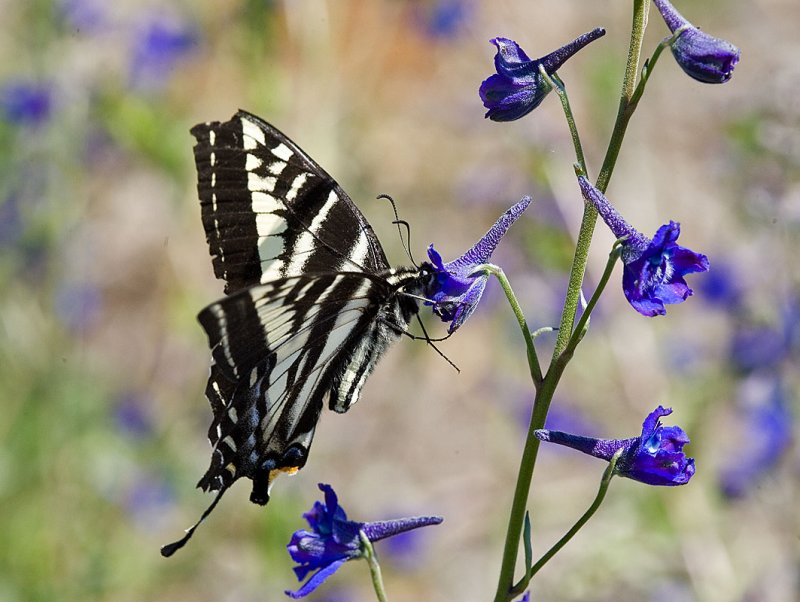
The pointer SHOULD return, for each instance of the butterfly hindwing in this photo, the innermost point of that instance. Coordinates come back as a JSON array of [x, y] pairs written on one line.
[[280, 351], [270, 211]]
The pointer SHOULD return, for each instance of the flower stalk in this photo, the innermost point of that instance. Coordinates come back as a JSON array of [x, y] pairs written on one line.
[[374, 567], [533, 358], [561, 356], [520, 586]]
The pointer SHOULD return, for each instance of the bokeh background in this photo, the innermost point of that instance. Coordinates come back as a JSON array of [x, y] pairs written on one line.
[[103, 267]]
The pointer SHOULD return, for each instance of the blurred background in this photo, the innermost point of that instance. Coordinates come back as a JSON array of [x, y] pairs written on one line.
[[103, 267]]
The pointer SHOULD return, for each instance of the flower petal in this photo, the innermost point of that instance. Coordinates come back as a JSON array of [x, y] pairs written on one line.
[[316, 580]]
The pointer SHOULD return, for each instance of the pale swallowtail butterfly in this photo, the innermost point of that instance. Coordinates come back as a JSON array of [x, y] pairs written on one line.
[[311, 303]]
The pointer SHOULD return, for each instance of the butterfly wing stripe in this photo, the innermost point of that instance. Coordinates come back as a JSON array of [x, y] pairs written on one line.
[[282, 420], [244, 328], [347, 213], [261, 197], [286, 407]]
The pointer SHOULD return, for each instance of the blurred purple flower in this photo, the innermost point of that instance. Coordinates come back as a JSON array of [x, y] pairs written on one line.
[[131, 415], [160, 45], [653, 269], [444, 18], [767, 433], [84, 15], [722, 287], [25, 102], [703, 57], [148, 498], [562, 417], [518, 88], [456, 290], [525, 597], [78, 305], [656, 457], [333, 540], [755, 347]]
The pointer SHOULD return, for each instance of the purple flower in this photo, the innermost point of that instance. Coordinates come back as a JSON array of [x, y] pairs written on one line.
[[518, 88], [78, 305], [456, 288], [703, 57], [333, 540], [654, 269], [84, 15], [161, 43], [654, 458], [131, 415], [761, 347], [444, 18], [766, 422], [25, 102]]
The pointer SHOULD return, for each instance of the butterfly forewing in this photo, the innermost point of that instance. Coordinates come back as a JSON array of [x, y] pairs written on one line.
[[270, 211]]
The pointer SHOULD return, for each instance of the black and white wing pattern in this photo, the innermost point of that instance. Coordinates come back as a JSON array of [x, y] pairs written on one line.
[[270, 211], [311, 306]]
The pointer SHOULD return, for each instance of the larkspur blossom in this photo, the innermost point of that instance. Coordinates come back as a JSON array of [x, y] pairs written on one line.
[[25, 102], [457, 287], [656, 457], [654, 268], [333, 539], [702, 57], [765, 433], [518, 87], [161, 43]]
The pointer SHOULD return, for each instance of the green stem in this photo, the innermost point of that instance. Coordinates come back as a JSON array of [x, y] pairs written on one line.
[[557, 84], [374, 567], [625, 110], [601, 494], [533, 359], [544, 393]]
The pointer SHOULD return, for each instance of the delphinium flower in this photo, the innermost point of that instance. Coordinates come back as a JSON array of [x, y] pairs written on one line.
[[656, 457], [457, 288], [24, 102], [703, 57], [131, 415], [160, 44], [653, 268], [761, 347], [333, 539], [518, 87], [766, 424], [444, 18], [84, 15]]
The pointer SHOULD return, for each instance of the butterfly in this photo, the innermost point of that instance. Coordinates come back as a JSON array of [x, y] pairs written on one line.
[[311, 303]]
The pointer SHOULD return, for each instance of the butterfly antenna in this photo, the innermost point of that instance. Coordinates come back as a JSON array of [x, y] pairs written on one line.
[[401, 222], [169, 549], [429, 340]]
